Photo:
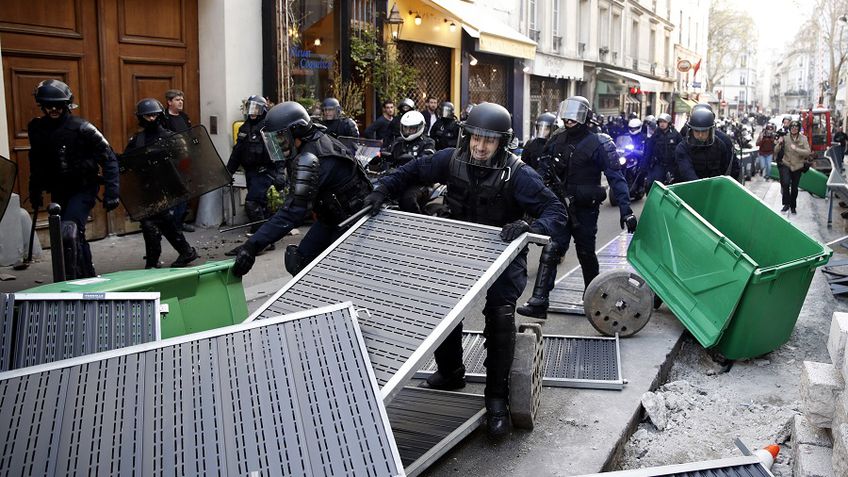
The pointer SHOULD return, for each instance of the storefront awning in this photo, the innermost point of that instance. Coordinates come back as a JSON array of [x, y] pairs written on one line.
[[557, 67], [645, 84], [683, 105], [707, 97], [493, 36]]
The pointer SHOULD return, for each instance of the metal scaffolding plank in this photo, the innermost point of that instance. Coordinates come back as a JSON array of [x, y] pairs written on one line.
[[428, 423], [567, 294], [47, 327], [747, 466], [293, 395], [415, 275], [591, 362], [7, 320]]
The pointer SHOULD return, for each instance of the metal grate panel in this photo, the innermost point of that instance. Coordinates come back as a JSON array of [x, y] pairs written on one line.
[[747, 466], [286, 396], [428, 423], [567, 294], [569, 361], [415, 275], [52, 326], [7, 320]]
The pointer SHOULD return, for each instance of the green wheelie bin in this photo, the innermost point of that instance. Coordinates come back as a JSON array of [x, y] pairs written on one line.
[[199, 298], [733, 271]]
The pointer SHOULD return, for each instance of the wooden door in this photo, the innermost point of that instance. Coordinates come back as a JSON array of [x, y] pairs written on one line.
[[43, 39], [112, 53]]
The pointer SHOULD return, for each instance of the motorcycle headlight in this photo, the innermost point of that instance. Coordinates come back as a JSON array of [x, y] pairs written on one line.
[[629, 147], [622, 160]]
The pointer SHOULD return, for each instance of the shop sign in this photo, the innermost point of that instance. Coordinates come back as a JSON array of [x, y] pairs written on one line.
[[307, 60], [684, 65]]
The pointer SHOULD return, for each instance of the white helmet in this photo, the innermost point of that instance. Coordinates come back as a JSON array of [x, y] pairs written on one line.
[[635, 125], [411, 125]]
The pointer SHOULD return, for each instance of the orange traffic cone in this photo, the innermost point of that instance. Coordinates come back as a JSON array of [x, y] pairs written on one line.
[[767, 455]]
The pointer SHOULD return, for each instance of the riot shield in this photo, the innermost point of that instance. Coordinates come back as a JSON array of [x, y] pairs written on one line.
[[362, 149], [8, 174], [170, 171]]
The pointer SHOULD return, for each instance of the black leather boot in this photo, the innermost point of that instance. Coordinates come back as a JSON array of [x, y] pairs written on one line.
[[451, 372], [500, 349], [537, 305], [152, 244]]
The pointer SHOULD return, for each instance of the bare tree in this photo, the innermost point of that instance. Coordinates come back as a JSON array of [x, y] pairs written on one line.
[[729, 36], [834, 36]]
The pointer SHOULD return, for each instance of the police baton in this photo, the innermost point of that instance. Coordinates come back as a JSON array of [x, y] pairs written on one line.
[[236, 227], [353, 218]]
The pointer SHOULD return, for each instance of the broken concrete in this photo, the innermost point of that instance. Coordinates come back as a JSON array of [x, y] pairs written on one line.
[[813, 461], [837, 338], [654, 405], [820, 383], [840, 450], [807, 434]]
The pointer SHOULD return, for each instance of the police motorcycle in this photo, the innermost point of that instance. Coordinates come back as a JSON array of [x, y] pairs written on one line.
[[634, 166]]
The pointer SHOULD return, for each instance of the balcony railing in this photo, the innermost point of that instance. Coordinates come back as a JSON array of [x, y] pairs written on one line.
[[535, 35], [557, 43], [581, 49]]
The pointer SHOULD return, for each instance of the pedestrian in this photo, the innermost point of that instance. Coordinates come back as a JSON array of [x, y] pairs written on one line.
[[260, 171], [545, 125], [430, 114], [150, 114], [324, 179], [412, 144], [380, 128], [572, 164], [177, 120], [659, 151], [838, 153], [70, 158], [336, 123], [486, 184], [702, 154], [406, 105], [446, 130], [796, 158], [765, 143]]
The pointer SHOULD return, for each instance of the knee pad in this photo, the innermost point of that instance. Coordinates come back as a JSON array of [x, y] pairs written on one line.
[[70, 234], [293, 260], [551, 252]]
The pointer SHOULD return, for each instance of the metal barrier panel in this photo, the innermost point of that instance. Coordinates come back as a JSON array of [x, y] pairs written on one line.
[[292, 395], [49, 327], [567, 294], [748, 466], [415, 275], [592, 362], [7, 320]]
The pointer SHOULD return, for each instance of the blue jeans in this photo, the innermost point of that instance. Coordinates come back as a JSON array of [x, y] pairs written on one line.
[[765, 163]]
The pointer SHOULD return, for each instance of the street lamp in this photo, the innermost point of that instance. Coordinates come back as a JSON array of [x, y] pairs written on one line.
[[394, 22]]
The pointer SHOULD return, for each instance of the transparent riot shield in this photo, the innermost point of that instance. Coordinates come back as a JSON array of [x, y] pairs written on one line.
[[362, 149], [8, 174], [177, 168]]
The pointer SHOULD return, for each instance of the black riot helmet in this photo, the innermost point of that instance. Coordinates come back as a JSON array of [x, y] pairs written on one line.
[[446, 110], [54, 92], [575, 108], [487, 122], [545, 125], [405, 105], [701, 119], [149, 107], [332, 108], [284, 123], [255, 105]]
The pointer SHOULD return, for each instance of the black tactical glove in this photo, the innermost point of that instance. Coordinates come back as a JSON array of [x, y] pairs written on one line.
[[513, 230], [279, 183], [245, 258], [375, 201], [111, 204], [629, 221]]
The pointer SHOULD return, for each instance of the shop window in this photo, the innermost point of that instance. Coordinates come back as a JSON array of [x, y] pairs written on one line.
[[433, 66], [313, 48], [487, 83]]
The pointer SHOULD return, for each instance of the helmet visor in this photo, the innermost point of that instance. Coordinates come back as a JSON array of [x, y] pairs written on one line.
[[280, 144], [256, 108], [481, 147], [446, 112], [411, 131], [543, 130], [573, 110]]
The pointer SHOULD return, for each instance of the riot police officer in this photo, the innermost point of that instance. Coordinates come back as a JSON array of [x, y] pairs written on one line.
[[259, 170], [150, 114], [323, 178], [412, 144], [545, 124], [486, 184], [66, 157], [659, 151], [336, 124], [406, 105], [701, 154], [572, 164], [446, 129]]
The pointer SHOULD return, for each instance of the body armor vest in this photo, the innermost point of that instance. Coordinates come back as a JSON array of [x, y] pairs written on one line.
[[333, 205], [486, 199], [707, 160], [253, 153], [69, 152]]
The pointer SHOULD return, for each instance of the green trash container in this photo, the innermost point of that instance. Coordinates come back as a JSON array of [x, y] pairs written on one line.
[[199, 298], [732, 270], [812, 181]]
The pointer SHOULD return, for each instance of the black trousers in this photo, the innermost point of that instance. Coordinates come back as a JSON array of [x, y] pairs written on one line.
[[789, 181]]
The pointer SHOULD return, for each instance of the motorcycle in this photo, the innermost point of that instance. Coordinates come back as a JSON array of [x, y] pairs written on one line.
[[633, 167]]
